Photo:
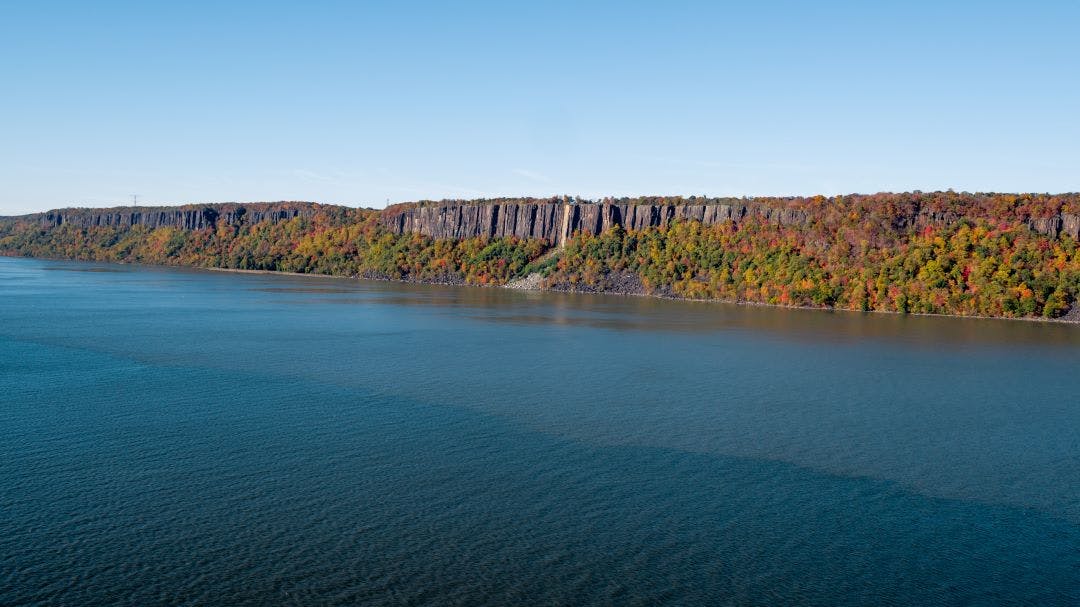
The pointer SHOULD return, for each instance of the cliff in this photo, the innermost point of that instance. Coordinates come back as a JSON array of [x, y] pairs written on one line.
[[188, 217], [553, 220], [556, 219]]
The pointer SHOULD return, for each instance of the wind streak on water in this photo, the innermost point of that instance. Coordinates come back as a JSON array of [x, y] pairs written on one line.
[[194, 438]]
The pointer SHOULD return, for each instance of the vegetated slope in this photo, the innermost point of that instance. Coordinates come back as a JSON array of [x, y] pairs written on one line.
[[1010, 255], [287, 237]]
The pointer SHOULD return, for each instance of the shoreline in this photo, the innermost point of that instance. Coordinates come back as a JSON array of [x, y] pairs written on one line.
[[758, 304], [519, 285], [523, 284]]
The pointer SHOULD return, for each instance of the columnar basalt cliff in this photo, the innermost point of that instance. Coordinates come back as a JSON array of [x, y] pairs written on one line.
[[189, 217], [467, 220], [555, 220]]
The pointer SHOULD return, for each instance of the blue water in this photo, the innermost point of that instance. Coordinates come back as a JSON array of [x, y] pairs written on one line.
[[200, 438]]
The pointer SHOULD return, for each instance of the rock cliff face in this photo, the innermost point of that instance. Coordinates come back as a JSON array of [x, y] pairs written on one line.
[[555, 221], [452, 220], [1056, 225], [191, 217]]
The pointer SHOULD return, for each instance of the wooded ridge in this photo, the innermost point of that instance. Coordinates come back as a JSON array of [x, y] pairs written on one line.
[[1010, 255]]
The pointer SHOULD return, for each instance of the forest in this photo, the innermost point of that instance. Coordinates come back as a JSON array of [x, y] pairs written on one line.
[[335, 241], [960, 254]]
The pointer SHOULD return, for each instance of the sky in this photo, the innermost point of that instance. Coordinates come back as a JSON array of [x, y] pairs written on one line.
[[365, 103]]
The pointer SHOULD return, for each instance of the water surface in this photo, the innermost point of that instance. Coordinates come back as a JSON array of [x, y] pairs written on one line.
[[189, 437]]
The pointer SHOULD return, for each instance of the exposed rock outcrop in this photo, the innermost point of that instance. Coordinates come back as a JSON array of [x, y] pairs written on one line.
[[456, 221], [190, 217], [556, 220]]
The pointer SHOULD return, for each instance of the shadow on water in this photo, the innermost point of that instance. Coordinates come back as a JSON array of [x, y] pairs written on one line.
[[339, 496]]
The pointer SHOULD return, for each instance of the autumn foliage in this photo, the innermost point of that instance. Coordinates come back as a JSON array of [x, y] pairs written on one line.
[[940, 252]]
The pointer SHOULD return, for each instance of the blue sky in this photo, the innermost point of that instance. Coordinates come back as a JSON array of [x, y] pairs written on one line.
[[360, 103]]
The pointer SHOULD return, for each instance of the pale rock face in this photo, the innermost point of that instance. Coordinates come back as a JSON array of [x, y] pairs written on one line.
[[1056, 225], [1050, 226], [1070, 224]]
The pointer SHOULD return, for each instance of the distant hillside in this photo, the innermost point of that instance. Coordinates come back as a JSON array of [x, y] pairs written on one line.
[[1009, 255], [190, 217]]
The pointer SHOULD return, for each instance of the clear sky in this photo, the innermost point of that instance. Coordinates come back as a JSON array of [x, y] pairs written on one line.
[[360, 103]]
